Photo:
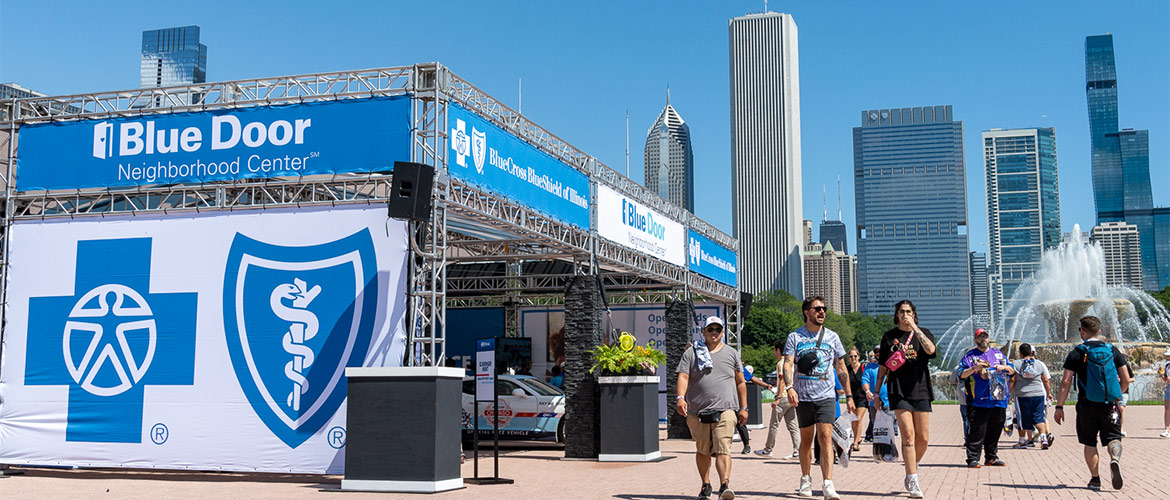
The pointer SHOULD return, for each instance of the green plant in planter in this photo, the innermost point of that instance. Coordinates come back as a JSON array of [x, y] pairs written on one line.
[[626, 358]]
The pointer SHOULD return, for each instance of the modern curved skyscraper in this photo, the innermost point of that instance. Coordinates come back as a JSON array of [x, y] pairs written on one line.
[[1121, 166], [765, 152], [670, 164]]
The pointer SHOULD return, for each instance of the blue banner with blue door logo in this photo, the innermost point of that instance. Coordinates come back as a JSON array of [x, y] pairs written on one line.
[[353, 136], [489, 157], [711, 259]]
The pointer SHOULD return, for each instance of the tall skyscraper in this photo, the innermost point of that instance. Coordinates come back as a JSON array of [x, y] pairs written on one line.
[[806, 234], [833, 231], [980, 300], [1122, 248], [911, 200], [669, 162], [1121, 165], [830, 273], [1023, 208], [172, 56], [765, 151]]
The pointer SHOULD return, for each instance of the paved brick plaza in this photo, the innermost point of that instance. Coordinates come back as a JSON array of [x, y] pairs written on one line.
[[541, 474]]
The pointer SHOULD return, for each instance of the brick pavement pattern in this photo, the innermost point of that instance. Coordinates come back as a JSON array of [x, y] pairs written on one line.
[[542, 474]]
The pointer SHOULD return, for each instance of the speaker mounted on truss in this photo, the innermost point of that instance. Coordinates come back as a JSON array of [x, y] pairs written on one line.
[[410, 191]]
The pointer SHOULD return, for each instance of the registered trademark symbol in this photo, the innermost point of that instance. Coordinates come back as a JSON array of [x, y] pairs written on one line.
[[159, 433], [336, 437]]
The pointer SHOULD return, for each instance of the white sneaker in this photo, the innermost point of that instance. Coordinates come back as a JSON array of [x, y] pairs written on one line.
[[912, 485], [1165, 434], [829, 491], [795, 454], [805, 486], [764, 452]]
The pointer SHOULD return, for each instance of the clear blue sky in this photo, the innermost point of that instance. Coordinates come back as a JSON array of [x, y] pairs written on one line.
[[583, 64]]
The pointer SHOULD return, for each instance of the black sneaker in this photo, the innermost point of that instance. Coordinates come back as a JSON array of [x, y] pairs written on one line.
[[705, 491], [725, 493], [746, 450], [973, 464], [1115, 469], [1095, 484]]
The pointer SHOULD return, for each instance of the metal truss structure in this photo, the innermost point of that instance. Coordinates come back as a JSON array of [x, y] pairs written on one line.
[[468, 225]]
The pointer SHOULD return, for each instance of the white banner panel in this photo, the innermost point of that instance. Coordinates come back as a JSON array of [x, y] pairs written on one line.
[[646, 322], [206, 341], [632, 224]]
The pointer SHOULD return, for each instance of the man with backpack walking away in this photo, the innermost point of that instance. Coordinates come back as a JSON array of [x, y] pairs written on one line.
[[1102, 376]]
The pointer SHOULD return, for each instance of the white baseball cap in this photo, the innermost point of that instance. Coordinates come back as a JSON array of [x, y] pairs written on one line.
[[749, 368], [712, 320], [1167, 353]]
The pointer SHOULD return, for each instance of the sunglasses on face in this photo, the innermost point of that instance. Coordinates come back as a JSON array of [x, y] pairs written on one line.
[[714, 329], [819, 308]]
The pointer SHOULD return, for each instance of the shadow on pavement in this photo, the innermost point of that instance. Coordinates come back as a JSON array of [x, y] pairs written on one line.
[[189, 476], [1033, 486]]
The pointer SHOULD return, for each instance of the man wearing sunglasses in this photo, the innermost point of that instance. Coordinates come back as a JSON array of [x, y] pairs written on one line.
[[810, 354], [712, 395]]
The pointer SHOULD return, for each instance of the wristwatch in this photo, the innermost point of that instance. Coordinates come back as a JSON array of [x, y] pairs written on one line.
[[743, 408]]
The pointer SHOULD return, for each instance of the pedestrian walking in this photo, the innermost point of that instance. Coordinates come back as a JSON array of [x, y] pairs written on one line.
[[810, 353], [782, 409], [712, 395], [960, 398], [1032, 391], [872, 391], [856, 367], [1101, 374], [904, 369], [745, 436], [985, 373], [1164, 374]]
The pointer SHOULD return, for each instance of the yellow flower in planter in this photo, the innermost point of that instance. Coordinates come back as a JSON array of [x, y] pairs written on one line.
[[625, 358]]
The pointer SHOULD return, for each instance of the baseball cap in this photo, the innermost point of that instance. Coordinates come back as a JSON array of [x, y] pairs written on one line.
[[1167, 353], [749, 368], [713, 320], [980, 331]]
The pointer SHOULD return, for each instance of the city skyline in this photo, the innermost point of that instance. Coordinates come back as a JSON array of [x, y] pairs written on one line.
[[840, 50]]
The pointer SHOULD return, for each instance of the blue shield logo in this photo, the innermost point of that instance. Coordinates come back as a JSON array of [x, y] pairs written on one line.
[[295, 318]]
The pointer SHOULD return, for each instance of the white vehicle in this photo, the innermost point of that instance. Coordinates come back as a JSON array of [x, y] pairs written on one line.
[[530, 408]]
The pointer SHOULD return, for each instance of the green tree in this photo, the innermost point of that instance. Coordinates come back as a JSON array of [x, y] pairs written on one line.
[[760, 357], [767, 325], [868, 330], [1162, 296]]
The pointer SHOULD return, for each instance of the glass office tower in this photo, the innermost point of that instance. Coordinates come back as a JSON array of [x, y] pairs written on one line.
[[911, 200], [173, 56], [1121, 164], [1023, 209]]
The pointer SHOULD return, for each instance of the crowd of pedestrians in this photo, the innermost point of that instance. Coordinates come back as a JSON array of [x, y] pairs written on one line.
[[815, 372]]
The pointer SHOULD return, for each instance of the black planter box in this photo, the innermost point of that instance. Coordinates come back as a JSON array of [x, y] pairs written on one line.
[[755, 418], [629, 419], [403, 429]]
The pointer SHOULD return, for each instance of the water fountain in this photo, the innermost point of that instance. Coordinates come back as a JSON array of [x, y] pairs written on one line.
[[1045, 311]]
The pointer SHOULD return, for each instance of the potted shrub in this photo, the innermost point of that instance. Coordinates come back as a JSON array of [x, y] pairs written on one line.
[[629, 400]]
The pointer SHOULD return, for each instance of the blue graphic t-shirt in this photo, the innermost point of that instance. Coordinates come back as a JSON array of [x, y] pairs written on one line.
[[990, 392], [818, 383]]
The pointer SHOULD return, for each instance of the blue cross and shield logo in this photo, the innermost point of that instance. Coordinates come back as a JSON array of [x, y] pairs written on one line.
[[110, 339], [295, 317]]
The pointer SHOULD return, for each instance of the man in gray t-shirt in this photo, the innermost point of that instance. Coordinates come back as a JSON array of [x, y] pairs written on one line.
[[1031, 389], [712, 395]]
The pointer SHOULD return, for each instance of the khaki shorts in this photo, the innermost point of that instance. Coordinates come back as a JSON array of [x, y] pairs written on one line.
[[713, 439]]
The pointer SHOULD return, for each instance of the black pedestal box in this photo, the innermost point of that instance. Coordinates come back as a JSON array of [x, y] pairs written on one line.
[[403, 429], [755, 418], [629, 419]]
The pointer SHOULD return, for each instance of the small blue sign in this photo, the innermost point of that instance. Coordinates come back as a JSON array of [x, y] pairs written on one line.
[[711, 259], [487, 156], [359, 135]]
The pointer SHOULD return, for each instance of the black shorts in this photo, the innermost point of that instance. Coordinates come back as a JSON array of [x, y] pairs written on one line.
[[816, 412], [922, 405], [1093, 421], [860, 401]]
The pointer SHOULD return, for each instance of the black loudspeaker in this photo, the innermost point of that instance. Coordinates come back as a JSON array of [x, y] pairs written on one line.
[[410, 191], [745, 301]]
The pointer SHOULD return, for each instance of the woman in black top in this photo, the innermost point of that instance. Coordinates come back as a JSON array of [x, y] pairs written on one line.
[[909, 386], [856, 366]]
